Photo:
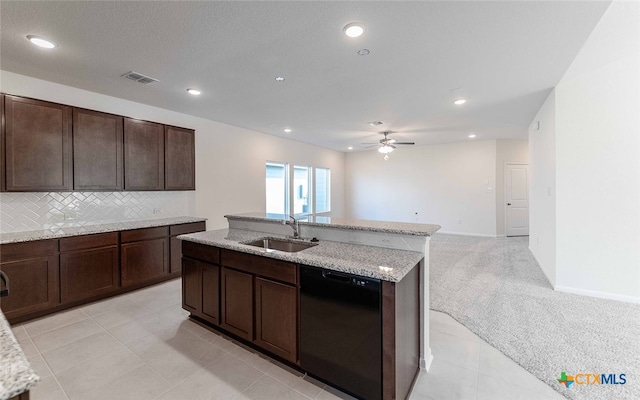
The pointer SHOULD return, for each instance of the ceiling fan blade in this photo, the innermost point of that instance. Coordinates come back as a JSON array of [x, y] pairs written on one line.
[[369, 146], [404, 143], [369, 143]]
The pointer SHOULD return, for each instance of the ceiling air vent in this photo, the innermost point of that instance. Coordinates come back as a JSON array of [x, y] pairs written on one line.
[[134, 76]]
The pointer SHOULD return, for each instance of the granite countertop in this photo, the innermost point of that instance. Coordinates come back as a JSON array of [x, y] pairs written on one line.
[[16, 375], [374, 262], [405, 228], [66, 230]]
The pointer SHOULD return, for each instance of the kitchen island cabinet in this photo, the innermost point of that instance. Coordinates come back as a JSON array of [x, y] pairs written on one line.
[[260, 298]]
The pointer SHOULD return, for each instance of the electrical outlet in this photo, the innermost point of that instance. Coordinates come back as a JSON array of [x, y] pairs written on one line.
[[157, 210]]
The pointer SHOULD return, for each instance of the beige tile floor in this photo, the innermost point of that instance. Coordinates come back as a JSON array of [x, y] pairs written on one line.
[[143, 346]]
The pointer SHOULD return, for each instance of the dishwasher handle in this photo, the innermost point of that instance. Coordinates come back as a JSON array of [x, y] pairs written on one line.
[[336, 276]]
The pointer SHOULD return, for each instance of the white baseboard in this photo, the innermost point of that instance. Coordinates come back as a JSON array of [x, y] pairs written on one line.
[[552, 282], [601, 295], [466, 234], [425, 363]]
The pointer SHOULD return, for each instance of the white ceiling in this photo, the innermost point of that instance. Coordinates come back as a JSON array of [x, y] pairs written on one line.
[[506, 57]]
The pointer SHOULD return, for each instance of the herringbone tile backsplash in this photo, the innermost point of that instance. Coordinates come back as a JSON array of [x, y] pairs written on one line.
[[33, 211]]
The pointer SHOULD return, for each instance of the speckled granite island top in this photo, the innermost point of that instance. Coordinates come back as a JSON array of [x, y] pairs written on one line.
[[56, 232], [16, 375], [374, 262], [405, 228]]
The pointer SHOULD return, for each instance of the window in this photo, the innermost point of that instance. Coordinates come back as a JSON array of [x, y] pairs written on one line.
[[277, 188], [323, 190], [307, 193], [301, 190]]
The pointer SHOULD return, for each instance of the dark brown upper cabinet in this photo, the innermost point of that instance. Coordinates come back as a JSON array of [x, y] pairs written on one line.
[[37, 140], [179, 158], [97, 150], [143, 155]]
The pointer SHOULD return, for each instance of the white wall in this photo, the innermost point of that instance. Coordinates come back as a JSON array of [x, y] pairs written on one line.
[[542, 189], [598, 161], [516, 151], [586, 233], [444, 184], [230, 161]]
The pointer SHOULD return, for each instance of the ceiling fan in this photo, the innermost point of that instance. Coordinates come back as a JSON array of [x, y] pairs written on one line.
[[387, 145]]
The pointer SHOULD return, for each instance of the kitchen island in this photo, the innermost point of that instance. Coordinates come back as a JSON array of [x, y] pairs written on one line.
[[259, 295]]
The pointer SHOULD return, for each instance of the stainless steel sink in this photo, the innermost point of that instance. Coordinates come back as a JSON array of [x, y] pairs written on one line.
[[286, 245]]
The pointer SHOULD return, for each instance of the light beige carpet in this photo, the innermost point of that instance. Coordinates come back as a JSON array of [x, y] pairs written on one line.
[[495, 288]]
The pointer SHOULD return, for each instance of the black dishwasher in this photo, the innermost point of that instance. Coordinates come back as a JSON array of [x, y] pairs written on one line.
[[341, 330]]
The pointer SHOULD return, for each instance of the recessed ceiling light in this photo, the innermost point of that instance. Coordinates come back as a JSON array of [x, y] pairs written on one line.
[[364, 52], [42, 42], [350, 148], [353, 30], [288, 130], [472, 136], [194, 92], [459, 102], [279, 79]]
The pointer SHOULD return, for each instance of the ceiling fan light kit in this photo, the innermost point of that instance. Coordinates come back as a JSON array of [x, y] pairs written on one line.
[[387, 145]]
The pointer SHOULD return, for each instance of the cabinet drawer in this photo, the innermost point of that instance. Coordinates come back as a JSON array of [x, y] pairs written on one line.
[[187, 228], [25, 250], [263, 266], [201, 252], [144, 234], [89, 241]]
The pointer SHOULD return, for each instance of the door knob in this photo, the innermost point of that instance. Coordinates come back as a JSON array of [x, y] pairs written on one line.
[[508, 204]]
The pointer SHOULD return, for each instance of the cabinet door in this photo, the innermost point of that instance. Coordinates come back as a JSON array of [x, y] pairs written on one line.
[[180, 161], [237, 302], [143, 155], [37, 140], [211, 293], [88, 273], [144, 261], [97, 151], [191, 286], [33, 285], [276, 318], [176, 244]]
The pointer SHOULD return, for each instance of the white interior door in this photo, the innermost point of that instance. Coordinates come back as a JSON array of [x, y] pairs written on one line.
[[517, 199]]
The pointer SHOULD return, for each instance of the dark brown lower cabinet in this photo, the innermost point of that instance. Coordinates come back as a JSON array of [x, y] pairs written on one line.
[[88, 266], [201, 290], [32, 271], [176, 244], [252, 297], [276, 318], [237, 302], [21, 396], [192, 286], [211, 293], [144, 261]]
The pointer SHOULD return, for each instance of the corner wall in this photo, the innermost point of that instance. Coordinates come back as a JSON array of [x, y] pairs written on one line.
[[586, 233], [598, 161], [542, 189]]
